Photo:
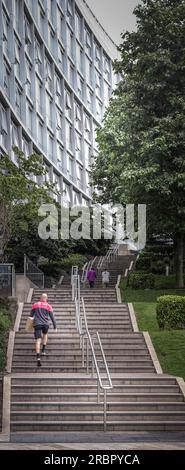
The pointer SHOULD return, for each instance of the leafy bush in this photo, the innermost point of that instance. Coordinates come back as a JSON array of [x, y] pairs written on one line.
[[170, 311], [140, 280], [5, 325], [56, 269]]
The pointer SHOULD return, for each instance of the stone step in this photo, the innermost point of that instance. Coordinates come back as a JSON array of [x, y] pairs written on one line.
[[75, 406], [78, 352], [72, 368], [127, 389], [76, 359], [118, 416], [28, 396], [121, 380], [96, 425]]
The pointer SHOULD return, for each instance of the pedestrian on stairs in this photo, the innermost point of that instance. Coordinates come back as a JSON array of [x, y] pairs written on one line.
[[42, 313], [105, 278], [91, 276]]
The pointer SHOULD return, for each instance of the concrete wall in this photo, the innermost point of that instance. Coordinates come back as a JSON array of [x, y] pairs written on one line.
[[23, 285]]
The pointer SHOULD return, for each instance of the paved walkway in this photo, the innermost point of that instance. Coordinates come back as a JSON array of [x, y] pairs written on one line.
[[86, 446]]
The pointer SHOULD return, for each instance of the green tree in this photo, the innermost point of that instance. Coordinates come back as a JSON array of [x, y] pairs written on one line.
[[20, 195], [142, 142]]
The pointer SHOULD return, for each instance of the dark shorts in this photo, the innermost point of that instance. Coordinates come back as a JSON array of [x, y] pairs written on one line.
[[39, 329]]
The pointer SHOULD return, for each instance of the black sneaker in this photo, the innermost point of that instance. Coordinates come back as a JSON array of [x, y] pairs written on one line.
[[43, 353], [38, 363]]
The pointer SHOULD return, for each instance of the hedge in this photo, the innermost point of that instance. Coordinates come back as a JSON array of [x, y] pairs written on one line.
[[140, 280], [170, 311]]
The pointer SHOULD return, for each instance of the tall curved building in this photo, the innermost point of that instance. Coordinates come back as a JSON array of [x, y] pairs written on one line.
[[56, 79]]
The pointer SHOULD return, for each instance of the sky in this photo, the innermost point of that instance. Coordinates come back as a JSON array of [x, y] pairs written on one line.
[[115, 15]]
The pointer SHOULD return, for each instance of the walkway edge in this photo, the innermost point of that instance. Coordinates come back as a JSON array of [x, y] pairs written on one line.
[[30, 293], [181, 384], [5, 435], [18, 317], [118, 292], [152, 352], [10, 351], [133, 318]]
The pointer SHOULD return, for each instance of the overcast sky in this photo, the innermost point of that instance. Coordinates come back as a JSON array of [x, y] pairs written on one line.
[[115, 15]]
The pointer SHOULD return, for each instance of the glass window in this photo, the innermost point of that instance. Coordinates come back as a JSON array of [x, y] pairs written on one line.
[[58, 89], [78, 146], [78, 117], [15, 136], [27, 29], [106, 94], [49, 110], [17, 57], [87, 152], [6, 79], [107, 68], [28, 78], [59, 124], [49, 75], [29, 114], [70, 166], [4, 128], [40, 133], [80, 86], [38, 58], [51, 6], [17, 5], [50, 146], [98, 109], [60, 155], [18, 99], [25, 148], [70, 42], [72, 75], [87, 126], [79, 174], [41, 17], [38, 87], [69, 11], [68, 105], [61, 57], [89, 98], [79, 57], [88, 42], [5, 32], [88, 71], [78, 26], [97, 55], [69, 136]]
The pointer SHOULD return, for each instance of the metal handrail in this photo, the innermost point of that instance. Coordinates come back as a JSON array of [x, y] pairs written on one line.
[[90, 341], [32, 271], [86, 339], [86, 268]]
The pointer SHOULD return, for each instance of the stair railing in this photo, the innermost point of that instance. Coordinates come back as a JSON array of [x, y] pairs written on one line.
[[86, 268], [33, 272], [87, 342]]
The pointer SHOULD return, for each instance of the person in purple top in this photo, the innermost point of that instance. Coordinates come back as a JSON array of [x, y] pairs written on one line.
[[91, 276]]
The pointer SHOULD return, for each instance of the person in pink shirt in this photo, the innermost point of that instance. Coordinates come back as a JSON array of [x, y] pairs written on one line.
[[91, 276]]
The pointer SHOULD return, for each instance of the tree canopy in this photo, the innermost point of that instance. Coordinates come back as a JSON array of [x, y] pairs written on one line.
[[142, 142]]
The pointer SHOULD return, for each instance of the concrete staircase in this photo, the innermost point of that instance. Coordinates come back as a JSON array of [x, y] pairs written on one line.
[[61, 398], [45, 403]]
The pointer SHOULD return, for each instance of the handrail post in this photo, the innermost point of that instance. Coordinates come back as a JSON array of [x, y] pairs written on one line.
[[87, 356], [105, 410], [83, 351], [98, 391]]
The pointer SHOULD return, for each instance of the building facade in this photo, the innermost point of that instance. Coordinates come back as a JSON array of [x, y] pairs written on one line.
[[56, 79]]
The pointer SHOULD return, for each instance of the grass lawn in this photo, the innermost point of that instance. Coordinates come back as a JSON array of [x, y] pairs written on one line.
[[169, 344]]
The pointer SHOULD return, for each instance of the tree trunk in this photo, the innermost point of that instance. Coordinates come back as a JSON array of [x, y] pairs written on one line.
[[178, 259]]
